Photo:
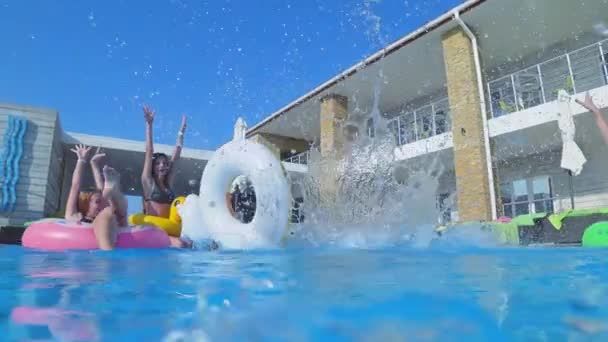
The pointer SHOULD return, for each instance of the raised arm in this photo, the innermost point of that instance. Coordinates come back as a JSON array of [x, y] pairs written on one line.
[[179, 145], [96, 169], [599, 118], [146, 175], [71, 207]]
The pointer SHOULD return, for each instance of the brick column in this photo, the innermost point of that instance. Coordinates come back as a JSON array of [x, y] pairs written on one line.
[[334, 111], [467, 127]]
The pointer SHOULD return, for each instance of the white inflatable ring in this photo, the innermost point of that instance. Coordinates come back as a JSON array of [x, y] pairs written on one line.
[[273, 199]]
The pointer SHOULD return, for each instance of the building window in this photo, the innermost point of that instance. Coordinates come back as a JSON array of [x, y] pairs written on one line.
[[502, 97], [527, 84], [442, 116], [371, 130], [527, 196], [424, 122], [296, 211], [441, 124], [445, 208], [407, 128]]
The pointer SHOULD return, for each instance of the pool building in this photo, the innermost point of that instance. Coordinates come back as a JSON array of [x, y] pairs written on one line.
[[475, 89]]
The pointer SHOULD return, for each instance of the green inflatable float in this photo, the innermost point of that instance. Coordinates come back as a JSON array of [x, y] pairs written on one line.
[[596, 235]]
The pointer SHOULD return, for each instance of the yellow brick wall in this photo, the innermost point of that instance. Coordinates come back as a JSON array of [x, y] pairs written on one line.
[[334, 110], [333, 113], [467, 125]]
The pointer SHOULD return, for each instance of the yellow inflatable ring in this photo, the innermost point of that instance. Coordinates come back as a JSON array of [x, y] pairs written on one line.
[[171, 225]]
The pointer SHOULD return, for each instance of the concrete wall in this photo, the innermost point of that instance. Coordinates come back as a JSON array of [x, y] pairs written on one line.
[[415, 103], [36, 192], [280, 145], [56, 173], [539, 56], [590, 187]]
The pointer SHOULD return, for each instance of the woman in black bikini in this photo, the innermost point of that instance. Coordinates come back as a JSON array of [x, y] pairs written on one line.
[[158, 174]]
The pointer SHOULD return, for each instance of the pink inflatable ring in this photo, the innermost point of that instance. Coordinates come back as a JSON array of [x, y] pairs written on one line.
[[59, 235]]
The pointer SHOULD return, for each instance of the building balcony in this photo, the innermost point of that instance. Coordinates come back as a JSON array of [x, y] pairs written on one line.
[[422, 123], [300, 158], [575, 72], [297, 164]]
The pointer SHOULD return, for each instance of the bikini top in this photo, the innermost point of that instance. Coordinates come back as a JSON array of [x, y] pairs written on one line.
[[159, 196], [85, 219]]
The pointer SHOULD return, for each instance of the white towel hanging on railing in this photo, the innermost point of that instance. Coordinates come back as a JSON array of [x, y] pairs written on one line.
[[573, 158]]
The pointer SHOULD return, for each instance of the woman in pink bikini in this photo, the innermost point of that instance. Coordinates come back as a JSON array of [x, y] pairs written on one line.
[[105, 208]]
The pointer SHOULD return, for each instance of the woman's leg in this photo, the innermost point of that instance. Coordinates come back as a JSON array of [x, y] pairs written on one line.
[[105, 228], [107, 222], [111, 192]]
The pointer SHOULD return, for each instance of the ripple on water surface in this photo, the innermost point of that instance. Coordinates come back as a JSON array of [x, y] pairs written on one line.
[[302, 295]]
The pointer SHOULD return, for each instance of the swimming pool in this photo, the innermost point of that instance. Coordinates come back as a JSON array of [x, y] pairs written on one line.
[[301, 295]]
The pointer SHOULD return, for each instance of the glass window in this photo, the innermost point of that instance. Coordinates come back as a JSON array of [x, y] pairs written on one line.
[[393, 126], [522, 208], [371, 130], [408, 128], [543, 206], [296, 211], [586, 65], [508, 210], [506, 191], [445, 210], [520, 190], [442, 117], [556, 76], [424, 121], [527, 85], [524, 196], [541, 187], [502, 97]]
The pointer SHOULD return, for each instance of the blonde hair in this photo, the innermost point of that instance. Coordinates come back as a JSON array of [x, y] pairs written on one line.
[[84, 199]]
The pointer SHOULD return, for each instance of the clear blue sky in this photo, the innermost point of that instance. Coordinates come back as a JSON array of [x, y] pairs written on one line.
[[96, 62]]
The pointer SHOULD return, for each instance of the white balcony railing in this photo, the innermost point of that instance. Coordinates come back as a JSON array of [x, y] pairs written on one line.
[[300, 158], [422, 123], [575, 72]]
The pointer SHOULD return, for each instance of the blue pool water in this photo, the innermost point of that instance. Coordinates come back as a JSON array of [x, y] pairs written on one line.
[[302, 295]]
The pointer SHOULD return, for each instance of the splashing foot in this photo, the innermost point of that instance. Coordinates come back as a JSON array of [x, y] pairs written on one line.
[[112, 183]]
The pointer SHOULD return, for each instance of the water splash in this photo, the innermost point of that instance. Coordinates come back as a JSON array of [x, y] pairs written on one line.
[[379, 200], [373, 204]]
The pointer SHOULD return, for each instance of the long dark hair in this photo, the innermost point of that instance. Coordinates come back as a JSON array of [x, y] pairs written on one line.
[[155, 158]]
